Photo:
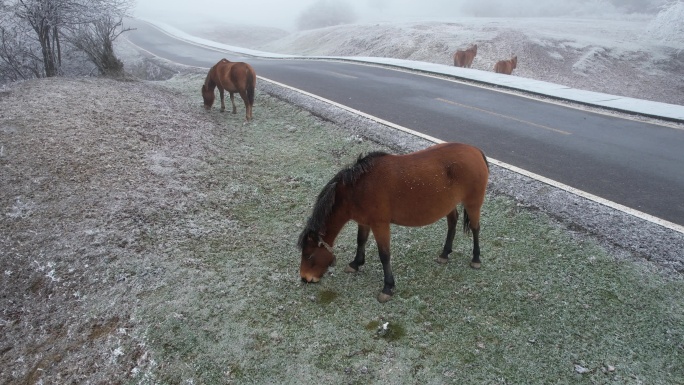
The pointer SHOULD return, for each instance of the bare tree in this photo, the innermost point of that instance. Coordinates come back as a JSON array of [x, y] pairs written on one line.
[[96, 40], [46, 18], [53, 24], [17, 60]]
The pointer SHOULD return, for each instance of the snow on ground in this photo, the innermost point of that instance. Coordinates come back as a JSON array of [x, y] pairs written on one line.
[[629, 56]]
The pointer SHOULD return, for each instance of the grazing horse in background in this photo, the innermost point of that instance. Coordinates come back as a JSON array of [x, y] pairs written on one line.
[[506, 66], [464, 58], [380, 189], [232, 77]]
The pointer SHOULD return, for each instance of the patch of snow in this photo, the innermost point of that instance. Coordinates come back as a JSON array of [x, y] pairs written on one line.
[[668, 26]]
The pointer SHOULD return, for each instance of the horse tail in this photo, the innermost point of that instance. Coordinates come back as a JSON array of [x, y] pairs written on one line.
[[466, 222], [250, 85], [485, 159]]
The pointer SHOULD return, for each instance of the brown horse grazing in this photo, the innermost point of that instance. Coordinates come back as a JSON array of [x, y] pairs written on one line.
[[464, 58], [506, 66], [380, 189], [232, 77]]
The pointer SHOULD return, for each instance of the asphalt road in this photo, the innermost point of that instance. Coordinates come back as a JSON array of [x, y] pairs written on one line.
[[635, 164]]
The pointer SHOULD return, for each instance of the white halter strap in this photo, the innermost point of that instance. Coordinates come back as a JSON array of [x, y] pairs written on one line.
[[327, 246]]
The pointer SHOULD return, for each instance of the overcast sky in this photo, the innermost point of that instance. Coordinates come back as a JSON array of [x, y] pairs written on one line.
[[283, 14]]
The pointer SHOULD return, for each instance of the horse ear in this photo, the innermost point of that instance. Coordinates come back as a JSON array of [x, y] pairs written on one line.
[[312, 236], [305, 237]]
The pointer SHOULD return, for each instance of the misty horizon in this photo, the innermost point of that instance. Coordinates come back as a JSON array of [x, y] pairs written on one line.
[[281, 15]]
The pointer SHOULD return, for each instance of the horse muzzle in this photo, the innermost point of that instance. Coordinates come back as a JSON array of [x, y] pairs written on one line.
[[310, 279]]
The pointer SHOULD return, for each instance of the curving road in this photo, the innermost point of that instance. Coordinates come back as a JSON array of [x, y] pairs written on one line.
[[635, 164]]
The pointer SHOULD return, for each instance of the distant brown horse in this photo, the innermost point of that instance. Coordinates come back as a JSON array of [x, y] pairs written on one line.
[[232, 77], [506, 66], [464, 58], [380, 189]]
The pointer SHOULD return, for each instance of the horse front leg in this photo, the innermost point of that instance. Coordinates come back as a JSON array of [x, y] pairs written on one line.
[[232, 101], [382, 237], [223, 103], [452, 219], [360, 258]]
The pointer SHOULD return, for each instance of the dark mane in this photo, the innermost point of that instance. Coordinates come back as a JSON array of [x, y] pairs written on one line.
[[326, 198], [208, 81]]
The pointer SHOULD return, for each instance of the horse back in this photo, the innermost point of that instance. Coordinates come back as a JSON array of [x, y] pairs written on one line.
[[235, 76], [419, 188]]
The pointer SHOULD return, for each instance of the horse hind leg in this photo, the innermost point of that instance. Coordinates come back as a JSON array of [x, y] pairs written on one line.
[[471, 223], [232, 101], [452, 219], [248, 106]]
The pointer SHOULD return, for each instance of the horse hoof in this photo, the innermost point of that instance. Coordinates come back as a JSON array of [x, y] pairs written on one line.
[[442, 261], [350, 269], [382, 297], [475, 265]]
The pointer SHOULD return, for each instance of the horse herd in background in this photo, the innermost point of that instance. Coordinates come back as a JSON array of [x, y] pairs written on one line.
[[240, 77], [464, 58]]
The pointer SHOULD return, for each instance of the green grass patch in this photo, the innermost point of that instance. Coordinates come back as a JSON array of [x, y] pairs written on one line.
[[326, 297], [232, 308]]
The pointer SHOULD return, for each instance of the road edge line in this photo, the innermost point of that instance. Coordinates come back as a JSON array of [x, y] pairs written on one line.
[[515, 169]]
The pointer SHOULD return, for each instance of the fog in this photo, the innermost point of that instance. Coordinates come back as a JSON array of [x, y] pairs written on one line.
[[283, 14]]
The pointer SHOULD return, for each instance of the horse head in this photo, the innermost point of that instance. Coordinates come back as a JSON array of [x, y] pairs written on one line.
[[514, 62], [208, 96], [317, 257]]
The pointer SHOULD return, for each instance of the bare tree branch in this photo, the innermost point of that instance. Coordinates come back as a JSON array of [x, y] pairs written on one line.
[[57, 25], [96, 39]]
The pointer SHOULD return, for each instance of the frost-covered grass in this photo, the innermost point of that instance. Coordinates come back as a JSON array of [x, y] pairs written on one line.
[[667, 26], [548, 306]]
